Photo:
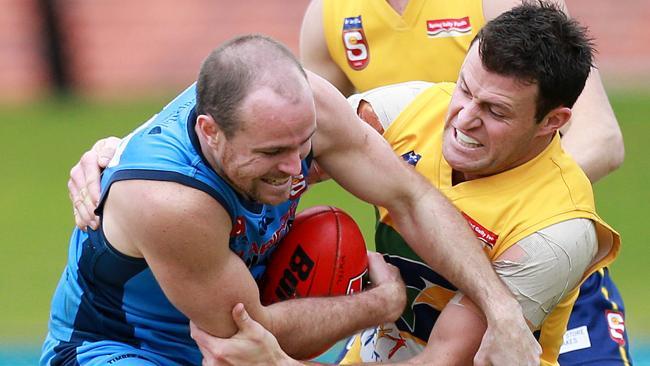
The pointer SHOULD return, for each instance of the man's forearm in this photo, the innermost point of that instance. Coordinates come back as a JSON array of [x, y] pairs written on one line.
[[450, 248], [306, 326], [593, 137]]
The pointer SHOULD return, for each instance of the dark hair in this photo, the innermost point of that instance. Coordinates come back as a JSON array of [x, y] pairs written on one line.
[[228, 73], [536, 42]]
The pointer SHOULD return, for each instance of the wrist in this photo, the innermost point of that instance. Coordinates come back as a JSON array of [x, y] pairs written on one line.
[[286, 360], [501, 309], [391, 298]]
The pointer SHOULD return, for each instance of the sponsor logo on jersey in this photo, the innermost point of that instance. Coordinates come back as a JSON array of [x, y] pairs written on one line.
[[263, 224], [266, 248], [486, 236], [252, 243], [124, 357], [576, 339], [441, 28], [411, 157], [355, 44], [616, 324]]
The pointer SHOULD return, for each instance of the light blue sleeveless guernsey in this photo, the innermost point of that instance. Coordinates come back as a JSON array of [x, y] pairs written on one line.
[[108, 307]]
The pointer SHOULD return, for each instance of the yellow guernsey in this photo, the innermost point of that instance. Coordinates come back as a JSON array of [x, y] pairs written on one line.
[[501, 209], [370, 42]]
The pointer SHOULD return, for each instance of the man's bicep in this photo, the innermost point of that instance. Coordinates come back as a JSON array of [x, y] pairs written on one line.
[[183, 235], [355, 155], [386, 102], [542, 268]]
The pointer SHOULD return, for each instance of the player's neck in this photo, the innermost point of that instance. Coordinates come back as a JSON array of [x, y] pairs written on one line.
[[457, 177], [398, 5]]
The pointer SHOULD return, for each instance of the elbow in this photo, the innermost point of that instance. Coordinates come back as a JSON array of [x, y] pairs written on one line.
[[617, 159], [617, 150], [609, 150]]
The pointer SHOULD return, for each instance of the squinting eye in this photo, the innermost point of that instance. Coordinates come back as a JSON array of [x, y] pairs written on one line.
[[496, 114], [270, 152]]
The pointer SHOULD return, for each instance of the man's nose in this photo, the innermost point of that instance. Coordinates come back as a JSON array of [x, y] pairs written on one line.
[[291, 164], [468, 116]]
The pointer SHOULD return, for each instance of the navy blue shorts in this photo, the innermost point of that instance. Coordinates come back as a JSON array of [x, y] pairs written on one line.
[[596, 332]]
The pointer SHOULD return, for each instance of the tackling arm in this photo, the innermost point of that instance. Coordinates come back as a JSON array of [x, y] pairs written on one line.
[[84, 182], [183, 235], [363, 163], [457, 334]]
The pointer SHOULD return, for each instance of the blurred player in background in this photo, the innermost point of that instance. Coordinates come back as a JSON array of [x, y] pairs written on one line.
[[359, 45], [196, 199], [491, 145]]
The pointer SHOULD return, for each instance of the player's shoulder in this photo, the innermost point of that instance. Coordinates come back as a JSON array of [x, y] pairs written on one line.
[[329, 102], [390, 100], [162, 200], [400, 93], [405, 91], [162, 142], [319, 85]]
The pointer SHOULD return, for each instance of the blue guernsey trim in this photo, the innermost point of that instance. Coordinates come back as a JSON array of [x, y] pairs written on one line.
[[165, 176], [97, 317], [191, 122], [308, 160]]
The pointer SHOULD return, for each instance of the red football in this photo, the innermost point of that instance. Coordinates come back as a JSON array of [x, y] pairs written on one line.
[[323, 254]]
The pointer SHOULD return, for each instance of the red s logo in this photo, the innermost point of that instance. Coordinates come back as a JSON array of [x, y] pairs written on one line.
[[354, 41]]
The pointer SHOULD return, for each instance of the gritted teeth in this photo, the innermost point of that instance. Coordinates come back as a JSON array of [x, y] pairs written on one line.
[[466, 140], [276, 181]]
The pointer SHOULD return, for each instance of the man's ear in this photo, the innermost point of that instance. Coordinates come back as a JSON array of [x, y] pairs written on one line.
[[554, 120], [209, 128]]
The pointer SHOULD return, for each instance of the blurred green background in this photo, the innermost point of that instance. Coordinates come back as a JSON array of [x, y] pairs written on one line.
[[41, 141]]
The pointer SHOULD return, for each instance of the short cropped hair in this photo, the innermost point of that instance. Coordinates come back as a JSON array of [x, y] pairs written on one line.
[[227, 74], [536, 42]]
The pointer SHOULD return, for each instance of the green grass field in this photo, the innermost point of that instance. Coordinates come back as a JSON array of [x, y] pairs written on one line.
[[41, 141]]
